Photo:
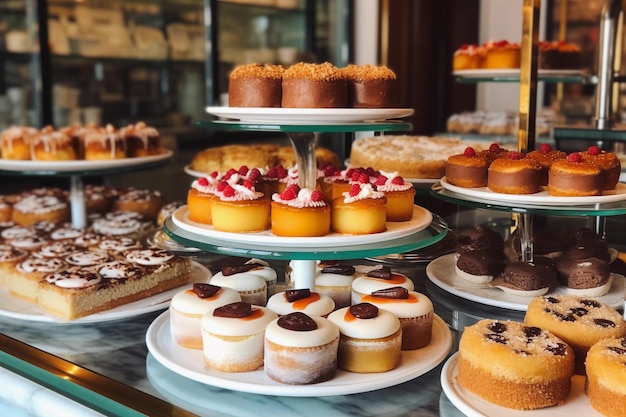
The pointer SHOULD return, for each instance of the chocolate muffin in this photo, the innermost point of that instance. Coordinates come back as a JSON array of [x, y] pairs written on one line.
[[530, 276], [479, 238], [480, 266]]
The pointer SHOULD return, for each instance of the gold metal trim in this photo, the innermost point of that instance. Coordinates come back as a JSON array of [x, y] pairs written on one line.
[[528, 75], [384, 32], [116, 391]]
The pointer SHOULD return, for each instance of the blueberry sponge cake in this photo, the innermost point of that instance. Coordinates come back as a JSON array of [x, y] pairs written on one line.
[[579, 321], [515, 365]]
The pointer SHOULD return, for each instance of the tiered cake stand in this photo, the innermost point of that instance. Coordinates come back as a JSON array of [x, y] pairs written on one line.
[[78, 169], [302, 127]]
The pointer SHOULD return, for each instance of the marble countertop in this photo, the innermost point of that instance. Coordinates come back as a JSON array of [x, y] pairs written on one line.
[[117, 350]]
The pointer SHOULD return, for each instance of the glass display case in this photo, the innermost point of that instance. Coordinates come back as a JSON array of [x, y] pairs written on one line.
[[161, 61]]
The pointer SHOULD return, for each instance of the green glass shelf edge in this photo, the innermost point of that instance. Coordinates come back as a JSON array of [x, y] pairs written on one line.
[[588, 133], [581, 79], [383, 126], [607, 209], [435, 232]]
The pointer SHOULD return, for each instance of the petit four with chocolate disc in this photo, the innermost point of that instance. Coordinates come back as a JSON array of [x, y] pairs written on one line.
[[371, 338], [378, 279], [303, 300]]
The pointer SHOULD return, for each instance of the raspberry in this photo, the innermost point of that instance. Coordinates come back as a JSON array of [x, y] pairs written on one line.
[[214, 174], [230, 173], [381, 180], [228, 191], [469, 152], [593, 150], [243, 170], [317, 195], [355, 176], [500, 44], [221, 185], [349, 172], [355, 190], [516, 155], [290, 193], [364, 178], [575, 157], [203, 182], [371, 172], [248, 184], [545, 148], [254, 174], [398, 180], [495, 148]]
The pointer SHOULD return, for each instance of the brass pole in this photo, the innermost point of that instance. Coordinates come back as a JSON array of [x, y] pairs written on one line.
[[528, 76], [562, 37]]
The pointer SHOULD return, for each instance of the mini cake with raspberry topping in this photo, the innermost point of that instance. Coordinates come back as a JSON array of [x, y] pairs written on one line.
[[502, 55], [303, 300], [240, 208], [579, 321], [190, 305], [300, 212], [515, 365], [301, 349], [608, 163], [400, 196], [308, 85], [494, 152], [371, 338], [468, 57], [514, 174], [200, 196], [233, 336], [360, 211], [414, 309], [370, 86], [573, 176], [255, 85], [606, 376], [467, 170], [545, 156]]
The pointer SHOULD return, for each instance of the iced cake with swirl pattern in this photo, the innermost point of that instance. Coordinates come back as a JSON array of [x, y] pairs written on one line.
[[579, 321], [107, 283], [514, 365]]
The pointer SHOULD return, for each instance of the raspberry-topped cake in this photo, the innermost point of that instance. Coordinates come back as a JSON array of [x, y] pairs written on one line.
[[546, 155], [200, 196], [573, 176], [360, 211], [609, 165], [400, 196], [239, 208], [514, 174], [467, 57], [300, 212], [468, 170], [514, 365]]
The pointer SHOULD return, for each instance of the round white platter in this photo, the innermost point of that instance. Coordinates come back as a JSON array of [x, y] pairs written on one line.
[[441, 272], [422, 218], [190, 364], [307, 115], [16, 308], [81, 164], [576, 404], [540, 198]]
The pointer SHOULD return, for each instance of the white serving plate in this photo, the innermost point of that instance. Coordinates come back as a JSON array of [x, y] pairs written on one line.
[[441, 272], [81, 164], [576, 404], [190, 364], [395, 230], [16, 308], [308, 115], [540, 198]]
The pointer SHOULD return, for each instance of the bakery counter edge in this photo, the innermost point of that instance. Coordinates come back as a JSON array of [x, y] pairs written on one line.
[[116, 354]]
